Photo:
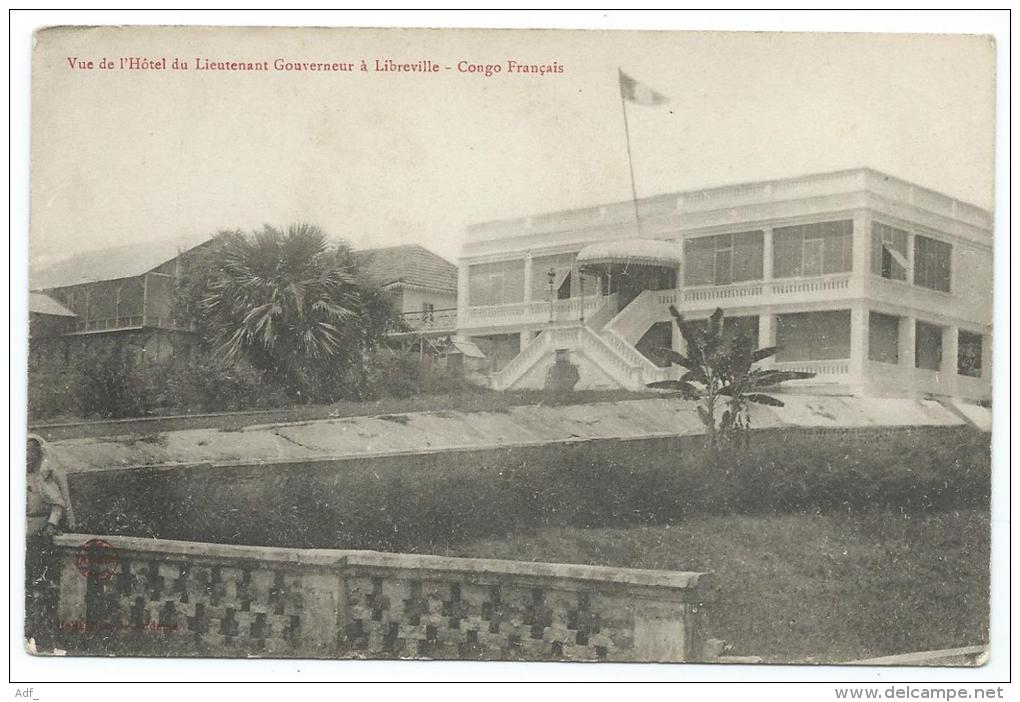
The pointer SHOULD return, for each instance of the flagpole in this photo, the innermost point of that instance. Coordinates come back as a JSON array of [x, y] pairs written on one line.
[[630, 159]]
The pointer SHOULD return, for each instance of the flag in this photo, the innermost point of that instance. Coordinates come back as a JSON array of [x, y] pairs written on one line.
[[639, 93]]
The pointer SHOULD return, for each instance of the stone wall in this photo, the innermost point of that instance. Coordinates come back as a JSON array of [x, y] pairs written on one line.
[[149, 597]]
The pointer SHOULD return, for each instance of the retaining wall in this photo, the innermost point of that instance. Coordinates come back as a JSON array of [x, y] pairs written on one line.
[[421, 501], [422, 432]]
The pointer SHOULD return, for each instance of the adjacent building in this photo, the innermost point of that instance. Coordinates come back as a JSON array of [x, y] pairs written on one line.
[[876, 285], [125, 295], [421, 286], [122, 295]]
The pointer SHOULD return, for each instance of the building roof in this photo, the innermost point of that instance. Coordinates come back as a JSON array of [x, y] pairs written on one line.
[[723, 198], [408, 264], [38, 303], [114, 263]]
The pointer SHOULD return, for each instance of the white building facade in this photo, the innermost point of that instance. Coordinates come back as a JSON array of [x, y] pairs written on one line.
[[878, 286]]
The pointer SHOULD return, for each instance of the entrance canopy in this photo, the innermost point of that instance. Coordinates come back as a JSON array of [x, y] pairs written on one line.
[[645, 252]]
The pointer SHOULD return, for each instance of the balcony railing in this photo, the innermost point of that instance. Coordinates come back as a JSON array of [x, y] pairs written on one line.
[[107, 324], [762, 288], [444, 320], [522, 312], [169, 323], [823, 370], [85, 326]]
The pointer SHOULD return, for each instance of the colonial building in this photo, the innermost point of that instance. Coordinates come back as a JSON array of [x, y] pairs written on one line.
[[421, 285], [876, 285], [125, 295], [422, 288], [121, 295]]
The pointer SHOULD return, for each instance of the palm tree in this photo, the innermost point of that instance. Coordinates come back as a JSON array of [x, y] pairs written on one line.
[[720, 374], [286, 301]]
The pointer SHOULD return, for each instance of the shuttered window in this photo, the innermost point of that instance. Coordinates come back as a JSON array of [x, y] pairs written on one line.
[[499, 283], [968, 360], [813, 249], [723, 259], [932, 263], [888, 251]]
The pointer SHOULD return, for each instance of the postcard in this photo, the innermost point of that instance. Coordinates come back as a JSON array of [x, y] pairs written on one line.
[[510, 345]]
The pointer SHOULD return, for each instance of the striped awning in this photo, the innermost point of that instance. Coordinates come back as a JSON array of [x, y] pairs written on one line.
[[647, 252]]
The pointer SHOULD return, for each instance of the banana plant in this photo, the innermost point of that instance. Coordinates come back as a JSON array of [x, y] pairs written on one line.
[[720, 375]]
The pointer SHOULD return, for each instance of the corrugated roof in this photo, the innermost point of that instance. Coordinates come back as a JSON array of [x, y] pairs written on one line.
[[409, 264], [125, 261], [39, 303]]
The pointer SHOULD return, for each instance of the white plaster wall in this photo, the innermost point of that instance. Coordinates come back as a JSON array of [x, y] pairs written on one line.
[[411, 300]]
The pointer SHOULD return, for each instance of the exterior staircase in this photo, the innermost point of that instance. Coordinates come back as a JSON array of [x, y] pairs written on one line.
[[606, 338]]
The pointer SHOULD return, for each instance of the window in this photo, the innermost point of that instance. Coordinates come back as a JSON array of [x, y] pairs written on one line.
[[928, 346], [968, 361], [812, 249], [724, 262], [498, 283], [888, 251], [428, 311], [723, 259], [813, 336], [932, 263], [883, 338]]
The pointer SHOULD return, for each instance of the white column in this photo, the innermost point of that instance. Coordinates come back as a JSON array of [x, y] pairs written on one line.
[[862, 244], [858, 343], [768, 256], [908, 330], [680, 264], [950, 357], [462, 297], [527, 277], [767, 335], [910, 257]]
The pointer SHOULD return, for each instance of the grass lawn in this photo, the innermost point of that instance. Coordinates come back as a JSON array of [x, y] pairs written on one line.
[[804, 588]]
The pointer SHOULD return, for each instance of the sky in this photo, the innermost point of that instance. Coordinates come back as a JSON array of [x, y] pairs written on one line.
[[382, 158]]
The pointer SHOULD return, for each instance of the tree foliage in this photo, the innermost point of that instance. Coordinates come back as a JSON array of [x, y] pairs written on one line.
[[720, 375], [287, 302]]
